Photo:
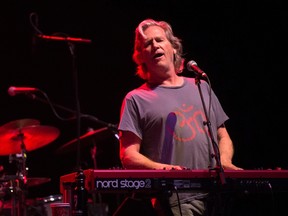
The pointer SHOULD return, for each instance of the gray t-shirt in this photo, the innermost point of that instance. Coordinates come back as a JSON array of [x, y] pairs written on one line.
[[171, 122]]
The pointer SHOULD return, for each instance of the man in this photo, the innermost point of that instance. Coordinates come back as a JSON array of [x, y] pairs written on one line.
[[162, 123]]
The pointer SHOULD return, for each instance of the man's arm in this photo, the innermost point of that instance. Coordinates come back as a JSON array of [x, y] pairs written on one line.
[[226, 149], [131, 158]]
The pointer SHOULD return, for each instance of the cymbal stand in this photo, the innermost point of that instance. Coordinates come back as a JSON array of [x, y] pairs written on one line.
[[19, 185], [14, 188]]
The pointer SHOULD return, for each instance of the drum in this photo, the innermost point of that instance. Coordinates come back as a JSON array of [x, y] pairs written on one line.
[[45, 202]]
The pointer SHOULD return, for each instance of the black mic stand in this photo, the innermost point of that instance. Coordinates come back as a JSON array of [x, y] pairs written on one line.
[[80, 193], [216, 155], [79, 207]]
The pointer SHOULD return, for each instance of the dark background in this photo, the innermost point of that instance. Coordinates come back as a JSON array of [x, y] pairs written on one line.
[[241, 45]]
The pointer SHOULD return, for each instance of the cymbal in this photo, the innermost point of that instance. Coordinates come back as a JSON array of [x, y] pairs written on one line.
[[16, 124], [71, 145], [33, 137], [34, 181]]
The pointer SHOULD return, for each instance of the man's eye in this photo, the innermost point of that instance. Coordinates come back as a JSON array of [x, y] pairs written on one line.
[[147, 44]]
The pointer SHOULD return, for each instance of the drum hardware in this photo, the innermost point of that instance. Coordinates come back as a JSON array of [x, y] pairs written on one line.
[[16, 124], [11, 193], [18, 185], [43, 204], [21, 135], [95, 204], [35, 181], [17, 138], [84, 139]]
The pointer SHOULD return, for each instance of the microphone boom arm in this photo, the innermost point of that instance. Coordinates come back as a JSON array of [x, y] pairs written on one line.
[[53, 105]]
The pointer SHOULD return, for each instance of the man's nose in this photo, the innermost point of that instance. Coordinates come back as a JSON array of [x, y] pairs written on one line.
[[155, 44]]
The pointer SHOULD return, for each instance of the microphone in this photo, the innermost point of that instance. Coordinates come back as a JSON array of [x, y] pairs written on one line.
[[12, 91], [59, 38], [192, 66]]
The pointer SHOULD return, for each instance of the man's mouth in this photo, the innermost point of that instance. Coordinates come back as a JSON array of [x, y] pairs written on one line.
[[158, 55]]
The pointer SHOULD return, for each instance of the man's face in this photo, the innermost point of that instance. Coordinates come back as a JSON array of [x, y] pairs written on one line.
[[157, 51]]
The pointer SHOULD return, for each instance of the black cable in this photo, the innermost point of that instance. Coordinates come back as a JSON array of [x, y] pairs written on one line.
[[178, 200], [52, 105]]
